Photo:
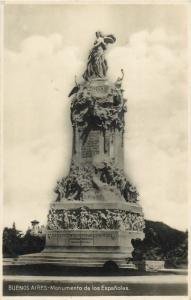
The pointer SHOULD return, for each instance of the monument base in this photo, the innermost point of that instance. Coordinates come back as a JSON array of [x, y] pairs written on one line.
[[90, 235], [86, 248]]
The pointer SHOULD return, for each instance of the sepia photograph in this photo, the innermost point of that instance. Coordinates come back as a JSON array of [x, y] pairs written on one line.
[[95, 148]]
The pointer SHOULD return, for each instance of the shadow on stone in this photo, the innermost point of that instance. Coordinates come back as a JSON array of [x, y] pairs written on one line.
[[110, 266], [110, 269]]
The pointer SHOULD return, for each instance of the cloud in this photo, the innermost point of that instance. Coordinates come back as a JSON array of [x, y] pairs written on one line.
[[156, 139], [38, 133], [41, 76]]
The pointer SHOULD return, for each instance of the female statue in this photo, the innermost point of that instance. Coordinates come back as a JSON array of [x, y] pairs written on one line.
[[97, 65]]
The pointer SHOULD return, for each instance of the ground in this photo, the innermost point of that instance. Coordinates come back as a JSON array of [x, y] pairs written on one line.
[[62, 281]]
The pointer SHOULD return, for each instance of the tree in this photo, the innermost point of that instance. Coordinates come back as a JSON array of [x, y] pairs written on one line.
[[11, 241], [162, 242], [31, 243]]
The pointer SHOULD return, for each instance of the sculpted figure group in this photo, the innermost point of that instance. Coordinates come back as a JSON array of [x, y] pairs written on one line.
[[75, 184], [81, 180], [115, 177], [85, 218], [88, 112]]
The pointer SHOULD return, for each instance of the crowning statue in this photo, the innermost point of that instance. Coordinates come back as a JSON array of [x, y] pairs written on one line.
[[96, 213], [97, 64]]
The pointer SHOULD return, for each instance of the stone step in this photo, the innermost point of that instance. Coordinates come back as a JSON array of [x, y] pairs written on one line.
[[91, 261], [85, 254], [76, 263]]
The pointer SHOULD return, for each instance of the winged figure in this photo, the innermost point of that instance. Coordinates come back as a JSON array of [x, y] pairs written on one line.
[[97, 65]]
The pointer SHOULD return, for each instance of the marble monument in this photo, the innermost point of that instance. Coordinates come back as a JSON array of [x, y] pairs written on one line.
[[96, 212]]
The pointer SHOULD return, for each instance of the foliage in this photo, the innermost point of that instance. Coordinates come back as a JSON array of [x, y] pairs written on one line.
[[11, 242], [162, 243], [179, 255], [31, 243], [14, 243]]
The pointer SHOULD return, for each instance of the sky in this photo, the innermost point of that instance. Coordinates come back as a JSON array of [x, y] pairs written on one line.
[[45, 46]]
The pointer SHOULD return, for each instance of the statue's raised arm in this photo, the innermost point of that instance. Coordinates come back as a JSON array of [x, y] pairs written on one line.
[[97, 64]]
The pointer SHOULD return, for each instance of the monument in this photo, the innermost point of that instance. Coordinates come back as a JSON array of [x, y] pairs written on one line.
[[96, 213]]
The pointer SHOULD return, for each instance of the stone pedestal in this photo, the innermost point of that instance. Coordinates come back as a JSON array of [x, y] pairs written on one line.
[[79, 245], [89, 247]]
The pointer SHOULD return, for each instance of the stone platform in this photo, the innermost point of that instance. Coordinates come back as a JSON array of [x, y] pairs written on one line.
[[89, 248]]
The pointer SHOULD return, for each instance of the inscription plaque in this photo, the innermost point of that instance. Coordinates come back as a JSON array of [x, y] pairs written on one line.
[[99, 88], [87, 239], [106, 239], [74, 240], [79, 238], [91, 146]]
